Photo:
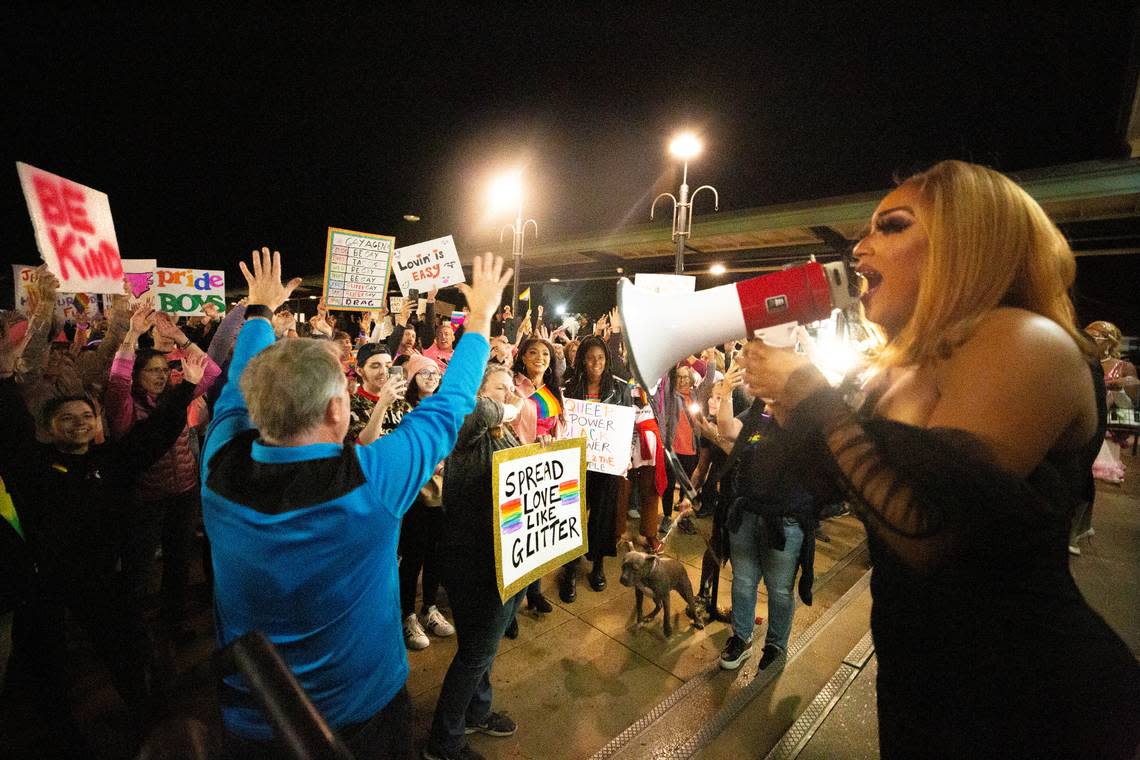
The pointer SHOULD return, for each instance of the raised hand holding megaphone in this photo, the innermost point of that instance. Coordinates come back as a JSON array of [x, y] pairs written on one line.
[[661, 329]]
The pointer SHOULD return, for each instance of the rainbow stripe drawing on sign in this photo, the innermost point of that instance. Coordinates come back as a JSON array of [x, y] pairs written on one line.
[[510, 515]]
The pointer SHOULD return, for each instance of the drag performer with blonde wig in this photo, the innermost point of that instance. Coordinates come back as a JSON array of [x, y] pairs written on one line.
[[965, 462]]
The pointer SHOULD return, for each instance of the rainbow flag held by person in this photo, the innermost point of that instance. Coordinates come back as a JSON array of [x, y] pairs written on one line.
[[568, 493], [525, 295], [457, 319], [510, 515], [546, 402]]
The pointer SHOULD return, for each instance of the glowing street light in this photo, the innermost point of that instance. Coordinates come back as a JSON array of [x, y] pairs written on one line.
[[684, 146], [506, 192]]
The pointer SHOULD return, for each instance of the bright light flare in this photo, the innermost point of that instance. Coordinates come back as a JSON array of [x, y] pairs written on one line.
[[560, 310], [505, 193], [685, 146], [717, 269]]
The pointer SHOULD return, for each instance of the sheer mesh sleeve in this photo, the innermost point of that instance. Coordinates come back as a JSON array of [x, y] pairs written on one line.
[[919, 489]]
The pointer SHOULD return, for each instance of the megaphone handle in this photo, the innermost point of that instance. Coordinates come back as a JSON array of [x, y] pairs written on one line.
[[680, 475], [671, 459]]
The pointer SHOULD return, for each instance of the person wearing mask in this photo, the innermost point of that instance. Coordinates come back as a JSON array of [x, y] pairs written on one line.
[[540, 419], [592, 381], [315, 566], [419, 532], [443, 347], [468, 564], [985, 644], [71, 495]]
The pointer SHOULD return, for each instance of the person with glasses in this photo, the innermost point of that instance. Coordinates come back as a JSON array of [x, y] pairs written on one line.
[[421, 528]]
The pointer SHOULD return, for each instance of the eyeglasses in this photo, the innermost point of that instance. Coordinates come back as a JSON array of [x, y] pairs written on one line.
[[429, 373]]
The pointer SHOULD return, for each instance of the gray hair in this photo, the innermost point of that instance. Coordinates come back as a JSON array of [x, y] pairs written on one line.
[[493, 368], [288, 386]]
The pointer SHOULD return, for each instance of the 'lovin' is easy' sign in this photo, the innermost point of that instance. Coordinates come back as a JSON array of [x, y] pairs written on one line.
[[74, 231]]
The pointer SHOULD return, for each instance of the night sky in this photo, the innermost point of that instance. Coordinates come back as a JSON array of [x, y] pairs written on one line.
[[216, 130]]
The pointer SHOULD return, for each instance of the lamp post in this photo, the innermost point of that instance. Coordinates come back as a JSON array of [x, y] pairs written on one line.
[[508, 189], [684, 146]]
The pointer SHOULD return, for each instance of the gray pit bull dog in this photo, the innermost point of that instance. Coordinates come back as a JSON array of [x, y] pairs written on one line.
[[657, 576]]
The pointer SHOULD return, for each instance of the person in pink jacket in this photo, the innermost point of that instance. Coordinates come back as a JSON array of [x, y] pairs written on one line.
[[166, 495]]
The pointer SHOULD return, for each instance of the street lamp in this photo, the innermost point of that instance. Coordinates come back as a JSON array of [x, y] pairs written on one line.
[[506, 191], [684, 146]]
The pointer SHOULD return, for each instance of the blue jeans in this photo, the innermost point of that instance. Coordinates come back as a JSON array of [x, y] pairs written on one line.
[[480, 621], [753, 560]]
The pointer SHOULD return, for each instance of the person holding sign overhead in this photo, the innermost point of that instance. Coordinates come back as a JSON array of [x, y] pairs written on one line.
[[592, 381], [537, 382], [304, 528]]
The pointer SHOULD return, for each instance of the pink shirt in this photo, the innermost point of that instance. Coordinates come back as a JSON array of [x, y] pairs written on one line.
[[440, 356]]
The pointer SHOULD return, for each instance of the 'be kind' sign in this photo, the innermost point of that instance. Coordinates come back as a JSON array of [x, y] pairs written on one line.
[[539, 511]]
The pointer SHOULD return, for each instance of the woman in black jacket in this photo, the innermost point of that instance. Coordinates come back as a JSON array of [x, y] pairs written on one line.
[[593, 381]]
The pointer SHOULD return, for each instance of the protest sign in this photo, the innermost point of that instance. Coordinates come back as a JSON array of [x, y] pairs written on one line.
[[74, 231], [423, 266], [140, 277], [357, 265], [185, 291], [538, 510], [70, 307], [665, 283], [608, 430], [396, 304]]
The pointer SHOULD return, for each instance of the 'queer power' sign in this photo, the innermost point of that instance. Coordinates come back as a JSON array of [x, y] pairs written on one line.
[[608, 430], [539, 510]]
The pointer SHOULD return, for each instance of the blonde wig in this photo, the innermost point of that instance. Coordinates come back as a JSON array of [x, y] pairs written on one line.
[[991, 245]]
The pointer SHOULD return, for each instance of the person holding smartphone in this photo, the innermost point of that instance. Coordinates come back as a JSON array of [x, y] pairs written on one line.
[[378, 397]]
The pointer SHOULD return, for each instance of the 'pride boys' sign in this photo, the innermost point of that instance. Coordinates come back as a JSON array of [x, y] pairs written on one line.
[[539, 510]]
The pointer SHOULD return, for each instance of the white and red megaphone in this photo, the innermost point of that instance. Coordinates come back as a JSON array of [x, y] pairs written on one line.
[[661, 329]]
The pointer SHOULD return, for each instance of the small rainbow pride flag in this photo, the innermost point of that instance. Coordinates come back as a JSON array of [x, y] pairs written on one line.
[[510, 515], [546, 402], [568, 492]]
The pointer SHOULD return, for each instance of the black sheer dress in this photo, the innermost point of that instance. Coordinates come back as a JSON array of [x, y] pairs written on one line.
[[986, 647]]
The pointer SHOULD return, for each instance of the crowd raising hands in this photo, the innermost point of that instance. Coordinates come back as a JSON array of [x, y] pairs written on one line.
[[333, 463]]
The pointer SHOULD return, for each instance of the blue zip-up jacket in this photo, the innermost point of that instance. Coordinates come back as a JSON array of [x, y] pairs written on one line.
[[304, 541]]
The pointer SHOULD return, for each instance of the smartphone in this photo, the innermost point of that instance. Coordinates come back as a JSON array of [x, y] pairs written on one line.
[[413, 296], [396, 372]]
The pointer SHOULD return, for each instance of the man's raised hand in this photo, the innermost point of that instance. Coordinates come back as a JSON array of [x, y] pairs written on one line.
[[265, 288]]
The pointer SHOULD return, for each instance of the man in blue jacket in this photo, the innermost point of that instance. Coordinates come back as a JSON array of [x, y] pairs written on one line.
[[304, 529]]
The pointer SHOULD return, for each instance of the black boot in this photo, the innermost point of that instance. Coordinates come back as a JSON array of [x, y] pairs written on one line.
[[568, 582], [598, 576], [512, 631]]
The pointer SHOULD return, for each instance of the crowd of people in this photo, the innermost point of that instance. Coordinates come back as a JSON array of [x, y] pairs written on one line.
[[341, 470]]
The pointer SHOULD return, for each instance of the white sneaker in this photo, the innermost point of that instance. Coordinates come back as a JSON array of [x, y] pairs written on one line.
[[437, 624], [634, 513], [1075, 551], [414, 636]]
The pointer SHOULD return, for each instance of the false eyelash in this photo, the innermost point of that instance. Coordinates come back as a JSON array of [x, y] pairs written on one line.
[[891, 224]]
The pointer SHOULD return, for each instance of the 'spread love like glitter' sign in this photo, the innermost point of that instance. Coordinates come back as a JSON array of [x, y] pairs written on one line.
[[74, 231], [539, 510]]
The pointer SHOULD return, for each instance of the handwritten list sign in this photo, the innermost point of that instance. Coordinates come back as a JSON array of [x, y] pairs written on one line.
[[423, 266], [74, 231], [608, 430], [538, 510], [357, 265]]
